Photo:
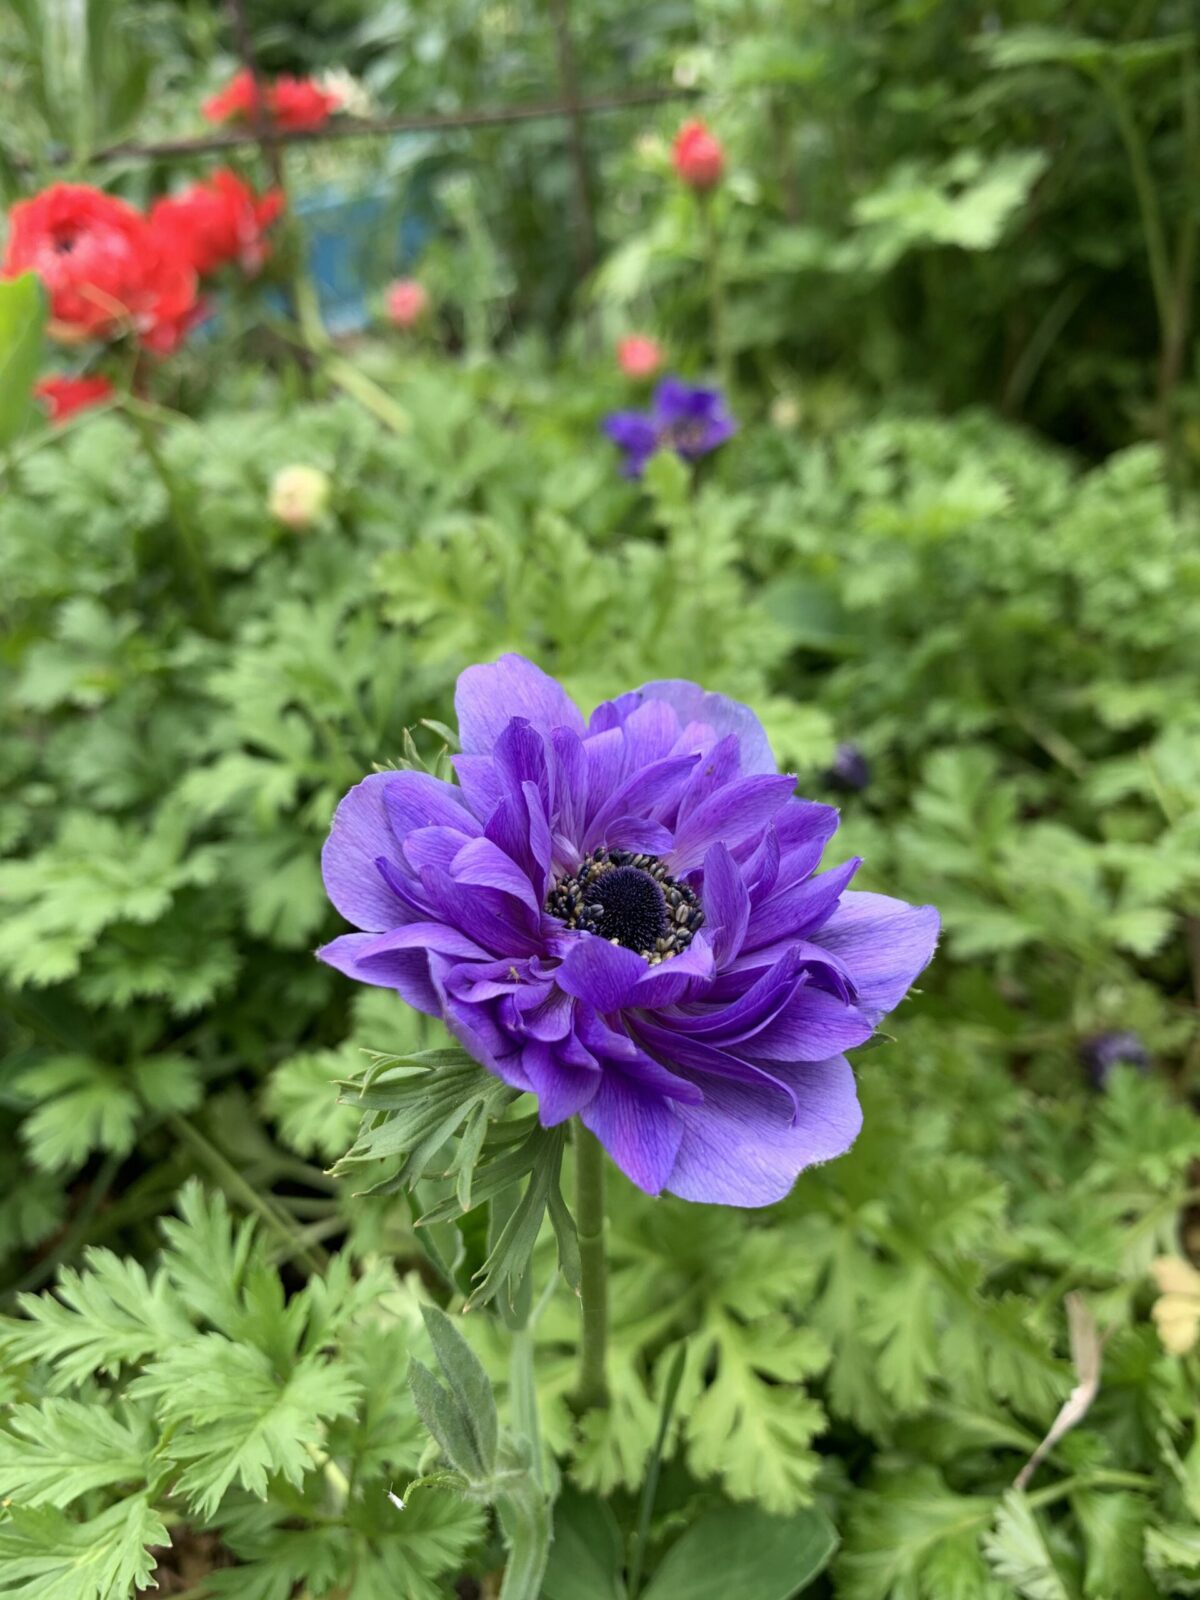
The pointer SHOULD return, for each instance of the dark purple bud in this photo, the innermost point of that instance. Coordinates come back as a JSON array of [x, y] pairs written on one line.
[[1100, 1053], [850, 772]]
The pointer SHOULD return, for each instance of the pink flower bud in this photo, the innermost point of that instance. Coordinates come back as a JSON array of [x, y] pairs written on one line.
[[639, 356], [698, 155], [407, 302]]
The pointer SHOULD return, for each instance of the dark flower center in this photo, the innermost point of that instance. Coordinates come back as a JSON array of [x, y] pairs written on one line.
[[689, 435], [630, 900]]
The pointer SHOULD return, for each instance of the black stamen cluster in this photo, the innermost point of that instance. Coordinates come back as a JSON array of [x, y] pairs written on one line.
[[631, 900]]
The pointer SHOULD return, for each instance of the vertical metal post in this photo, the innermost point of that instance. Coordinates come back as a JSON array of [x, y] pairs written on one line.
[[568, 77]]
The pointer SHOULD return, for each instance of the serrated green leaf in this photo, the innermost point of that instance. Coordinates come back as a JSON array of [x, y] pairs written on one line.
[[52, 1453], [45, 1556]]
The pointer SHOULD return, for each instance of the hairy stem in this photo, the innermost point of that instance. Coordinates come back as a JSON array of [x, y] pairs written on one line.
[[592, 1388]]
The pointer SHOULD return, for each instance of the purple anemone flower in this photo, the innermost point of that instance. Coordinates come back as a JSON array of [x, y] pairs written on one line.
[[622, 916], [692, 422]]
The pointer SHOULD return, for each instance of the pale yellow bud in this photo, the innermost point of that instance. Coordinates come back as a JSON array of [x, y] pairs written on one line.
[[298, 496]]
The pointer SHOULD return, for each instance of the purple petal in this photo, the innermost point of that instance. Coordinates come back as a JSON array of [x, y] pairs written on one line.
[[740, 1148], [603, 974], [482, 785], [812, 1026], [633, 833], [632, 431], [737, 811], [485, 866], [694, 1056], [406, 971], [797, 912], [884, 943], [417, 800], [562, 1088], [640, 1131], [692, 704], [488, 697], [640, 794], [433, 847], [682, 977], [726, 904], [360, 835], [728, 1024]]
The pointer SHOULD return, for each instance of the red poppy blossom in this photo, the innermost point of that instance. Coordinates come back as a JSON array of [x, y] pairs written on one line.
[[213, 223], [105, 270], [294, 103], [699, 155], [62, 397], [639, 356]]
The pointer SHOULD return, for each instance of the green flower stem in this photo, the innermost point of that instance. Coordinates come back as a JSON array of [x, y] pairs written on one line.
[[523, 1391], [235, 1185], [188, 546], [592, 1388], [525, 1515]]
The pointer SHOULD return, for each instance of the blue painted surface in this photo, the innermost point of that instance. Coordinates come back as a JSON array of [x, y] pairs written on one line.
[[357, 244]]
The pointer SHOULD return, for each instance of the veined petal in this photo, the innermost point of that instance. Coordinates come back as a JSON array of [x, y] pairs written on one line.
[[640, 1130], [884, 943], [488, 697], [602, 974], [741, 1148], [359, 836], [694, 704]]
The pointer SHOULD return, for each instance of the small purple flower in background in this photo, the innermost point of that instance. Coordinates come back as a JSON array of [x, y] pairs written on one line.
[[692, 422], [1103, 1052], [622, 916], [850, 771]]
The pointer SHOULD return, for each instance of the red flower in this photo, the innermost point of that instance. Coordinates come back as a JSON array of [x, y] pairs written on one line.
[[104, 268], [211, 223], [293, 103], [63, 397], [168, 333], [698, 155], [301, 103], [407, 302], [639, 356]]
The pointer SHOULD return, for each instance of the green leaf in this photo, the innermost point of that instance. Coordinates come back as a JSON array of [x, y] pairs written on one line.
[[22, 319], [1114, 1529], [741, 1550], [585, 1558], [231, 1418], [468, 1384], [413, 1105], [108, 1316], [1018, 1552], [751, 1423], [910, 1531], [45, 1556], [52, 1453], [302, 1097]]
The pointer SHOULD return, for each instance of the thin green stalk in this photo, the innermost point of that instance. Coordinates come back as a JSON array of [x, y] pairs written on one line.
[[187, 542], [718, 325], [523, 1394], [654, 1467], [235, 1185], [1143, 183], [592, 1387]]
